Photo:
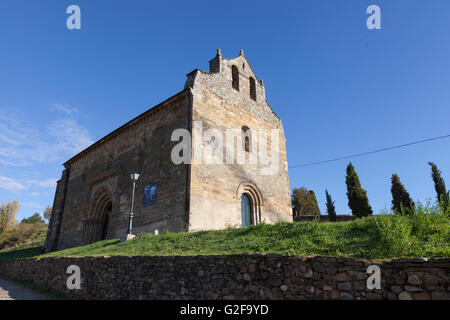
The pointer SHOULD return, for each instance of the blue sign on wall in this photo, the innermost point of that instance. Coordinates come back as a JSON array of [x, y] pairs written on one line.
[[150, 194]]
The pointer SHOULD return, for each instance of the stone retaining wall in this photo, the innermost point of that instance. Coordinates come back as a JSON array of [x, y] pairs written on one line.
[[236, 277]]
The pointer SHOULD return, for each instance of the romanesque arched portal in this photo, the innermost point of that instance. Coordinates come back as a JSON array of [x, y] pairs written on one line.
[[250, 196], [97, 223]]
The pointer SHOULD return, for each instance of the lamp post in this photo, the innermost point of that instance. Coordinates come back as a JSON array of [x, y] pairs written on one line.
[[134, 178]]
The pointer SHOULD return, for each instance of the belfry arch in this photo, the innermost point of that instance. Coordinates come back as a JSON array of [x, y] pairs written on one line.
[[97, 222], [249, 190]]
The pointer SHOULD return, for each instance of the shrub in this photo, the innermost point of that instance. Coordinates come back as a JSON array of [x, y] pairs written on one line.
[[424, 233], [35, 218], [304, 202], [395, 235], [24, 235]]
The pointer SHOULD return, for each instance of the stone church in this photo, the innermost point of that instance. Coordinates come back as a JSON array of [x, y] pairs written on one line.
[[93, 196]]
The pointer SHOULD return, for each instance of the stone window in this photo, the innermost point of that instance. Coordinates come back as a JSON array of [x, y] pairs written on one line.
[[235, 77], [246, 138], [252, 88]]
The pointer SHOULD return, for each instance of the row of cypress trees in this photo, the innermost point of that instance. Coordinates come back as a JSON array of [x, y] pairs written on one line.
[[401, 200]]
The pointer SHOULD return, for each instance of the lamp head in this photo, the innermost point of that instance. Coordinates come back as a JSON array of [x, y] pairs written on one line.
[[134, 176]]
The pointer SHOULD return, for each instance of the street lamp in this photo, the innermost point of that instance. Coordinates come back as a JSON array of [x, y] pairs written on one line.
[[134, 178]]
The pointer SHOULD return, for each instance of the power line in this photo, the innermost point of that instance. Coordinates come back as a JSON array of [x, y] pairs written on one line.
[[360, 154], [366, 153]]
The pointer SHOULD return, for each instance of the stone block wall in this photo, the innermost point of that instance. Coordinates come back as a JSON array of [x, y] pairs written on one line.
[[54, 227], [143, 144], [237, 277], [92, 201], [216, 189]]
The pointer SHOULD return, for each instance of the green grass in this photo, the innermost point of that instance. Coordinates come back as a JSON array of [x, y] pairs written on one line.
[[385, 236], [20, 253], [20, 243]]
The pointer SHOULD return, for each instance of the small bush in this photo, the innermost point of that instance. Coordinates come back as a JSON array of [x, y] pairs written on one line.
[[425, 231], [395, 234]]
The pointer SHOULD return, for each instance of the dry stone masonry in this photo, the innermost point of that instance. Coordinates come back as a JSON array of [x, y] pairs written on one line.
[[237, 277]]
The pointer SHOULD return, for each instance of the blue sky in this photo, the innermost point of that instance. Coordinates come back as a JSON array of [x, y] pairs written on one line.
[[339, 87]]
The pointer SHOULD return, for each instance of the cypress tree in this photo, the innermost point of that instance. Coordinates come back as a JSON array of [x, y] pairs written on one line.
[[304, 202], [442, 195], [357, 196], [400, 197], [312, 206], [331, 209]]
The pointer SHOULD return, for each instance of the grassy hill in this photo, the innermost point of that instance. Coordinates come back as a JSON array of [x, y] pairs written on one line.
[[25, 239], [425, 234]]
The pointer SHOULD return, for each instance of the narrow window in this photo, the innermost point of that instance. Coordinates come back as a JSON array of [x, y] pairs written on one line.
[[252, 89], [235, 77], [246, 210], [246, 138]]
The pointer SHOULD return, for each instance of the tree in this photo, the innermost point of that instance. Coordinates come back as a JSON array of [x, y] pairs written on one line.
[[331, 209], [357, 196], [304, 202], [47, 213], [443, 196], [8, 213], [401, 201], [35, 218]]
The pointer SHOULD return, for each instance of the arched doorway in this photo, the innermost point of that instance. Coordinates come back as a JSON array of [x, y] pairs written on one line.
[[251, 203], [246, 210], [106, 222], [97, 223]]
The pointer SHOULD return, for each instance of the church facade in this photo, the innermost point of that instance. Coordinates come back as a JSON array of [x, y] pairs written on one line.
[[93, 197]]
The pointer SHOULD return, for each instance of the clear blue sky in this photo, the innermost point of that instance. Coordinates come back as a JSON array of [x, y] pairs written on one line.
[[339, 87]]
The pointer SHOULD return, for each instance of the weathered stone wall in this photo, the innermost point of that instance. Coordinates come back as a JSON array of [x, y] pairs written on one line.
[[144, 144], [189, 197], [54, 227], [236, 277], [325, 218], [216, 189]]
